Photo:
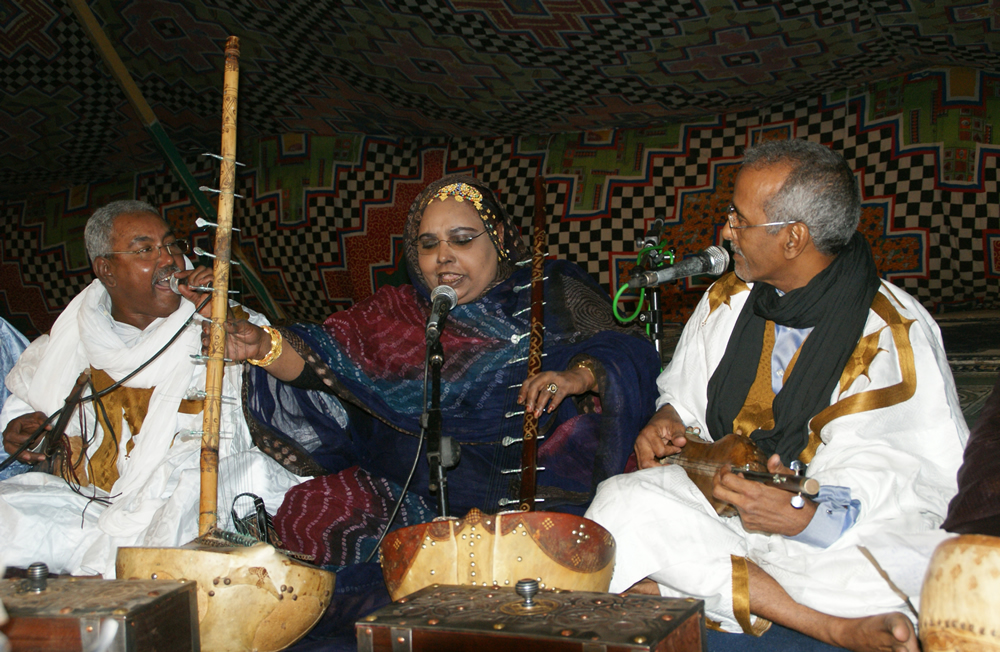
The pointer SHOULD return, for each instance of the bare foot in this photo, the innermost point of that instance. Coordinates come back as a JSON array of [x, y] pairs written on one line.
[[644, 587], [891, 632]]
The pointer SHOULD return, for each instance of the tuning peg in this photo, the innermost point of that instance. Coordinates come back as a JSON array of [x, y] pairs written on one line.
[[202, 223], [198, 251], [798, 468]]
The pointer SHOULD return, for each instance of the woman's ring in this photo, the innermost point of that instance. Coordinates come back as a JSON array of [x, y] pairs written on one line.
[[552, 387]]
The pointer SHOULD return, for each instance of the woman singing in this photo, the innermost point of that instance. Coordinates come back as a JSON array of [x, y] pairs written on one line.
[[343, 400]]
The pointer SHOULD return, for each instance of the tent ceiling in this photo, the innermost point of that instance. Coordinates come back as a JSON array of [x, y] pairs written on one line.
[[440, 68]]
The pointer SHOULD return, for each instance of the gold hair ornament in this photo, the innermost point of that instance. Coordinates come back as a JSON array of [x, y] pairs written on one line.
[[460, 192]]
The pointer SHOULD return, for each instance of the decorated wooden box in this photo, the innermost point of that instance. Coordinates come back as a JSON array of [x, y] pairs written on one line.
[[449, 618], [86, 614]]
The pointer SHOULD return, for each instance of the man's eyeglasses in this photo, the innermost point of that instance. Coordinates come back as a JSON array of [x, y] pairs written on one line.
[[428, 244], [732, 214], [153, 251]]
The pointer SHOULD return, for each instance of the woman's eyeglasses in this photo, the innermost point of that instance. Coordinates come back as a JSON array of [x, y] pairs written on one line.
[[152, 252], [428, 244], [732, 214]]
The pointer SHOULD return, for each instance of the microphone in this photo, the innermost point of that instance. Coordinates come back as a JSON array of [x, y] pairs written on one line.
[[176, 282], [712, 260], [653, 234], [443, 299]]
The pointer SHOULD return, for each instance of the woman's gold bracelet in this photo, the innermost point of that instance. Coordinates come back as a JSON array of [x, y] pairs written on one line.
[[588, 364], [275, 351]]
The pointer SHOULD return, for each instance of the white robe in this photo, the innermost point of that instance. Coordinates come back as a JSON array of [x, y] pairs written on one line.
[[900, 461], [154, 502]]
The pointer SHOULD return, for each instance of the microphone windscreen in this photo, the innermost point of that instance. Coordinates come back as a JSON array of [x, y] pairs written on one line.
[[447, 292], [720, 259]]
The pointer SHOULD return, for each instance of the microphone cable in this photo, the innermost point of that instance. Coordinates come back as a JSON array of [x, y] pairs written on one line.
[[413, 469], [642, 291], [28, 443]]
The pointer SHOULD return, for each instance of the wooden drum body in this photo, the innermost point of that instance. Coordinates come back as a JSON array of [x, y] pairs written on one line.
[[960, 600], [248, 598], [559, 550]]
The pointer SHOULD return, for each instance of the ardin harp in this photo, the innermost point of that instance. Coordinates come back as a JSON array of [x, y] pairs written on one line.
[[250, 596], [516, 542]]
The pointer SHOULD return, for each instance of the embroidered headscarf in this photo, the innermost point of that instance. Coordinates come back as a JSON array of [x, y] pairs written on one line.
[[507, 240]]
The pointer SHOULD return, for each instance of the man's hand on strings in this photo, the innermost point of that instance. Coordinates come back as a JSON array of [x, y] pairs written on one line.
[[198, 277], [19, 430], [537, 392], [664, 435], [763, 508]]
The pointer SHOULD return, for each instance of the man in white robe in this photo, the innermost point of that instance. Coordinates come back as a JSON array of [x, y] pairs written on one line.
[[141, 485], [875, 416]]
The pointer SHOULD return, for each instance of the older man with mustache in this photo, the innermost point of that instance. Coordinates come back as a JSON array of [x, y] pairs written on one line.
[[131, 476]]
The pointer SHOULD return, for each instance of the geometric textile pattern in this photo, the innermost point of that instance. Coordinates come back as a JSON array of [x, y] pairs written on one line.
[[322, 217], [448, 69]]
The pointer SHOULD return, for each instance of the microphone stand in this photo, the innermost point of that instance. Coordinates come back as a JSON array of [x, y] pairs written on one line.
[[655, 319], [442, 452], [653, 262]]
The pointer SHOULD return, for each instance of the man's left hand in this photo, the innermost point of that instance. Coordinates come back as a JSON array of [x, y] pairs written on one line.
[[763, 508]]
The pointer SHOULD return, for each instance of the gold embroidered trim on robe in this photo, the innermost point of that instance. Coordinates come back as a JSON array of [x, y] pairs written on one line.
[[859, 364], [132, 403], [741, 599], [756, 411], [723, 289]]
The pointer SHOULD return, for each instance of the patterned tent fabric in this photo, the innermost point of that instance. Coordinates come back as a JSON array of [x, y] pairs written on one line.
[[631, 110], [453, 68], [322, 217]]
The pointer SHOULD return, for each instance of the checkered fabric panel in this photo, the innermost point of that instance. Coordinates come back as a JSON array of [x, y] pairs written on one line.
[[602, 189], [40, 267]]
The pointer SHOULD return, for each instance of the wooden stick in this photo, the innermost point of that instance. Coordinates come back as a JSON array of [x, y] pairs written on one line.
[[208, 509], [529, 449]]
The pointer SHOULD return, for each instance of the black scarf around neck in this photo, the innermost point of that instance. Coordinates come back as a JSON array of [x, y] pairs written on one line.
[[835, 304]]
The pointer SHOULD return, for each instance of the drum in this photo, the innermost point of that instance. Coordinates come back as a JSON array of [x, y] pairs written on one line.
[[560, 551], [960, 599], [248, 598]]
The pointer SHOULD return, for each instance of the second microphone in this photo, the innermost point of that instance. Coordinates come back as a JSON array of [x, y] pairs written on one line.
[[713, 260]]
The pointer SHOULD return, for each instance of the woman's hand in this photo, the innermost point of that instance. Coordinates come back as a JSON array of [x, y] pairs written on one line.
[[536, 393], [243, 340], [247, 341]]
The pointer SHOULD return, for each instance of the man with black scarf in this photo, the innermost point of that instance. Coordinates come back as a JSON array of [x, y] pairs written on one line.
[[808, 353]]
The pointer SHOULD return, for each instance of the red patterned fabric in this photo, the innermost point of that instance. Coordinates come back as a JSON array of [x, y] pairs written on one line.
[[337, 518]]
